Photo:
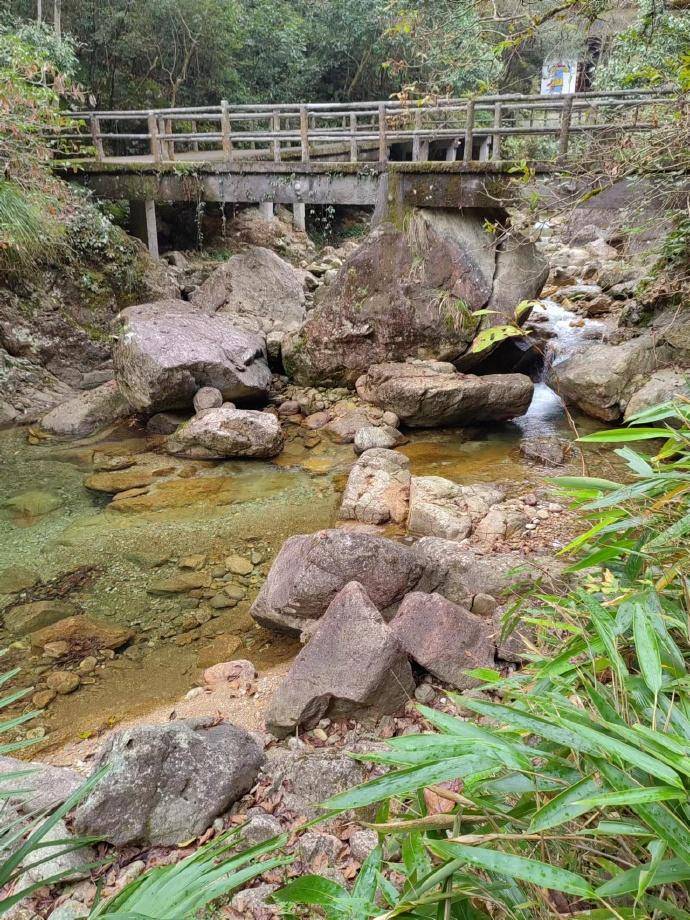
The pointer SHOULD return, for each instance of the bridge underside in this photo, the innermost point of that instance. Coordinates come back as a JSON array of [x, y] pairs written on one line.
[[431, 184]]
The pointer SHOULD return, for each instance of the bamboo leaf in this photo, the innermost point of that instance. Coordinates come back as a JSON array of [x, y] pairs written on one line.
[[527, 870], [647, 648]]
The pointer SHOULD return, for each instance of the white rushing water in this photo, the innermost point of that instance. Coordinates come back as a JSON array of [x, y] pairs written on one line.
[[546, 415]]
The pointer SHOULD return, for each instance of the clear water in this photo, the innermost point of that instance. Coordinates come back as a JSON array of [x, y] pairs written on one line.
[[260, 505]]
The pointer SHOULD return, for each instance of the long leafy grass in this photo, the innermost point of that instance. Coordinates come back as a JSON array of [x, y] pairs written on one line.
[[562, 790]]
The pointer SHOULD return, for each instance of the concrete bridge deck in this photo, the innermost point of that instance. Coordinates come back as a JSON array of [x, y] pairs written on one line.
[[389, 155]]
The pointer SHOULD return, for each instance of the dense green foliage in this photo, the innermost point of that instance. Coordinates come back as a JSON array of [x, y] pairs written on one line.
[[185, 52], [35, 73], [564, 787], [140, 53], [651, 52]]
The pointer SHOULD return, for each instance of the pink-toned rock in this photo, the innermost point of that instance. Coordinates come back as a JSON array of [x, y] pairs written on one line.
[[228, 671], [311, 569], [378, 488], [444, 638], [352, 666]]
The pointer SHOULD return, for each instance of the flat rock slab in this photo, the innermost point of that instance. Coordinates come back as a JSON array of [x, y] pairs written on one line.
[[87, 412], [167, 351], [82, 634], [352, 666], [444, 638], [428, 394], [166, 783], [311, 569]]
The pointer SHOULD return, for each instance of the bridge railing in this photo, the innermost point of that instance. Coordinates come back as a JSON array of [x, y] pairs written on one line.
[[453, 129]]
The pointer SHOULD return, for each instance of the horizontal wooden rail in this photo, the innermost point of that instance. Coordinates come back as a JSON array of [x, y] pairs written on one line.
[[465, 129]]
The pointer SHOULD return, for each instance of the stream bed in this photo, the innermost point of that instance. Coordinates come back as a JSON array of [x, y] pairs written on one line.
[[52, 525]]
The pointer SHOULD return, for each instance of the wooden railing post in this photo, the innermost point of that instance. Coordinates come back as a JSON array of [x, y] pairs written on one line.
[[469, 132], [383, 143], [304, 132], [564, 135], [275, 125], [226, 138], [416, 138], [154, 140], [195, 144], [496, 141], [169, 144], [353, 137], [96, 136]]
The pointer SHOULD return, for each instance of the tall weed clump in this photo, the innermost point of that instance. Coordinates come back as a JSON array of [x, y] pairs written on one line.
[[35, 76], [561, 790]]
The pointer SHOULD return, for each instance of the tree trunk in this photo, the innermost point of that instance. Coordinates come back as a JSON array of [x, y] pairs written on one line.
[[57, 17], [39, 11]]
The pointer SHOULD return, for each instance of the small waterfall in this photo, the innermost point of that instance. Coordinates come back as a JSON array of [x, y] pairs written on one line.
[[564, 333]]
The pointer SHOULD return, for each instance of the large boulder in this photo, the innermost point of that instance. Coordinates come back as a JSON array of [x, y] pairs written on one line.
[[257, 291], [227, 432], [167, 351], [441, 508], [378, 488], [86, 412], [166, 783], [601, 378], [410, 293], [444, 638], [352, 666], [427, 394], [663, 386], [311, 569]]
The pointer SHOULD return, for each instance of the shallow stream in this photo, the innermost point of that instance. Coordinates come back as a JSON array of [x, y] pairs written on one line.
[[55, 525]]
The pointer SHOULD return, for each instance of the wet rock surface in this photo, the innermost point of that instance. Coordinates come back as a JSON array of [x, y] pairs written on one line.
[[601, 378]]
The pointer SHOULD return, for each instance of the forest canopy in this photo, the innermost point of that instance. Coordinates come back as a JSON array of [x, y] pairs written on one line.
[[193, 52]]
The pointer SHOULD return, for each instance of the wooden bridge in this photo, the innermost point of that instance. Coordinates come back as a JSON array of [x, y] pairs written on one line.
[[433, 153]]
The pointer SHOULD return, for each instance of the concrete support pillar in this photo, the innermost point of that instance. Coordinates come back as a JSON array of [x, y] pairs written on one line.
[[266, 209], [299, 215], [143, 225], [151, 228]]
